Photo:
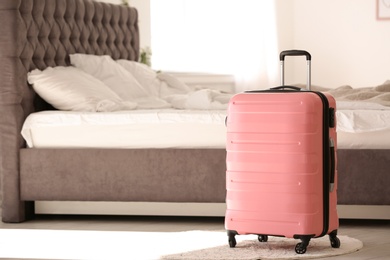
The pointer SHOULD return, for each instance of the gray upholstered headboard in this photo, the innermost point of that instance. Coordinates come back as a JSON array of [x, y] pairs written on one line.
[[39, 34], [42, 33]]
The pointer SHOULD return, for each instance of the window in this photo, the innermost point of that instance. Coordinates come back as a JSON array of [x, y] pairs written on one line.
[[235, 37]]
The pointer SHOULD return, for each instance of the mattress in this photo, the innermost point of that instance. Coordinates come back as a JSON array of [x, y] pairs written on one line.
[[358, 127], [153, 128]]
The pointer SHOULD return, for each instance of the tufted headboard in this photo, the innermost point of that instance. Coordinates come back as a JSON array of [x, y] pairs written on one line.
[[42, 33]]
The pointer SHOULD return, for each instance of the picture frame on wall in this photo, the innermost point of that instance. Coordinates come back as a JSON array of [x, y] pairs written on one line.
[[383, 9]]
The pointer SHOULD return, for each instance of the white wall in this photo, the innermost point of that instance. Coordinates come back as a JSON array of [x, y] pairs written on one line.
[[284, 19], [143, 7], [348, 44]]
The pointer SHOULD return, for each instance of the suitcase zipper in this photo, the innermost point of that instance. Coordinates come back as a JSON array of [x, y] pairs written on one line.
[[327, 162]]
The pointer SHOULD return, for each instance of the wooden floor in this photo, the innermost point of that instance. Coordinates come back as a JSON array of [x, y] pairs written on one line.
[[375, 234]]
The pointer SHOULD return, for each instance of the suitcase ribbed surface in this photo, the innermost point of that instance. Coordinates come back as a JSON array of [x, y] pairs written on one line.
[[275, 162]]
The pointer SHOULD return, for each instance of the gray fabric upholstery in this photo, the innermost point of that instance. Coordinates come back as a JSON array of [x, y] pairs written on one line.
[[42, 33], [364, 177], [167, 175], [175, 175]]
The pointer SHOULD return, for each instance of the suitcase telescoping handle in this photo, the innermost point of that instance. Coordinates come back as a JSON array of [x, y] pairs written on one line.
[[283, 54]]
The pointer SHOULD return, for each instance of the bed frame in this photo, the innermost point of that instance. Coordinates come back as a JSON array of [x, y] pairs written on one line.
[[42, 33]]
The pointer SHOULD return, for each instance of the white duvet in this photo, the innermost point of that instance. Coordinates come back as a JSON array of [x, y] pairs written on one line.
[[180, 96], [148, 89], [363, 110]]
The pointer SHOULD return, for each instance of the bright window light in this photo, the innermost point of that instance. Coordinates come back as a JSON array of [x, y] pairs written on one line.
[[235, 37]]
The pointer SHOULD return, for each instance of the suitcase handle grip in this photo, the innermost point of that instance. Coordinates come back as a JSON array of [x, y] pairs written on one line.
[[283, 54], [332, 165], [288, 87]]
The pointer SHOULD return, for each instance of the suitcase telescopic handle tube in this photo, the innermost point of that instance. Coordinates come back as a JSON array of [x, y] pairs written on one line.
[[283, 54]]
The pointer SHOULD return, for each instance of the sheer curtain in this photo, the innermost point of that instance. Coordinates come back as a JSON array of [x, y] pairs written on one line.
[[235, 37]]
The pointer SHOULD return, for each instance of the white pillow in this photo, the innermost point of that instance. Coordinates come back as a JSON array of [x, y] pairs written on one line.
[[143, 74], [69, 88], [110, 73]]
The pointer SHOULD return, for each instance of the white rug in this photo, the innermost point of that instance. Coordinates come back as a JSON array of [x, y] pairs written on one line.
[[275, 248], [76, 244]]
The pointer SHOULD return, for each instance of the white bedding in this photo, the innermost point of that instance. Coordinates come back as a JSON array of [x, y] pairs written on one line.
[[172, 128], [362, 117], [167, 113], [100, 84], [363, 125]]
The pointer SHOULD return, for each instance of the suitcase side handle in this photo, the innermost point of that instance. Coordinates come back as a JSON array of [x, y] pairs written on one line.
[[283, 54], [332, 165]]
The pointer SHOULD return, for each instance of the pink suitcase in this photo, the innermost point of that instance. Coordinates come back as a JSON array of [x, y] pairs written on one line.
[[281, 176]]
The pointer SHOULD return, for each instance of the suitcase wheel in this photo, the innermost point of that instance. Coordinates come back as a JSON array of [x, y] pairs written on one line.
[[300, 248], [334, 240], [262, 238], [232, 237], [232, 241]]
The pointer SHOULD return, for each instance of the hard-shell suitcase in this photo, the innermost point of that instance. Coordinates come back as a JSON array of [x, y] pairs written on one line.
[[281, 176]]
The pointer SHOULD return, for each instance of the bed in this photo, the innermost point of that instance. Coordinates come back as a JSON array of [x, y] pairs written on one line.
[[44, 34]]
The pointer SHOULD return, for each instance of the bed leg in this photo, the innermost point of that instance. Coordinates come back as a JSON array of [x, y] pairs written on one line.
[[23, 212]]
